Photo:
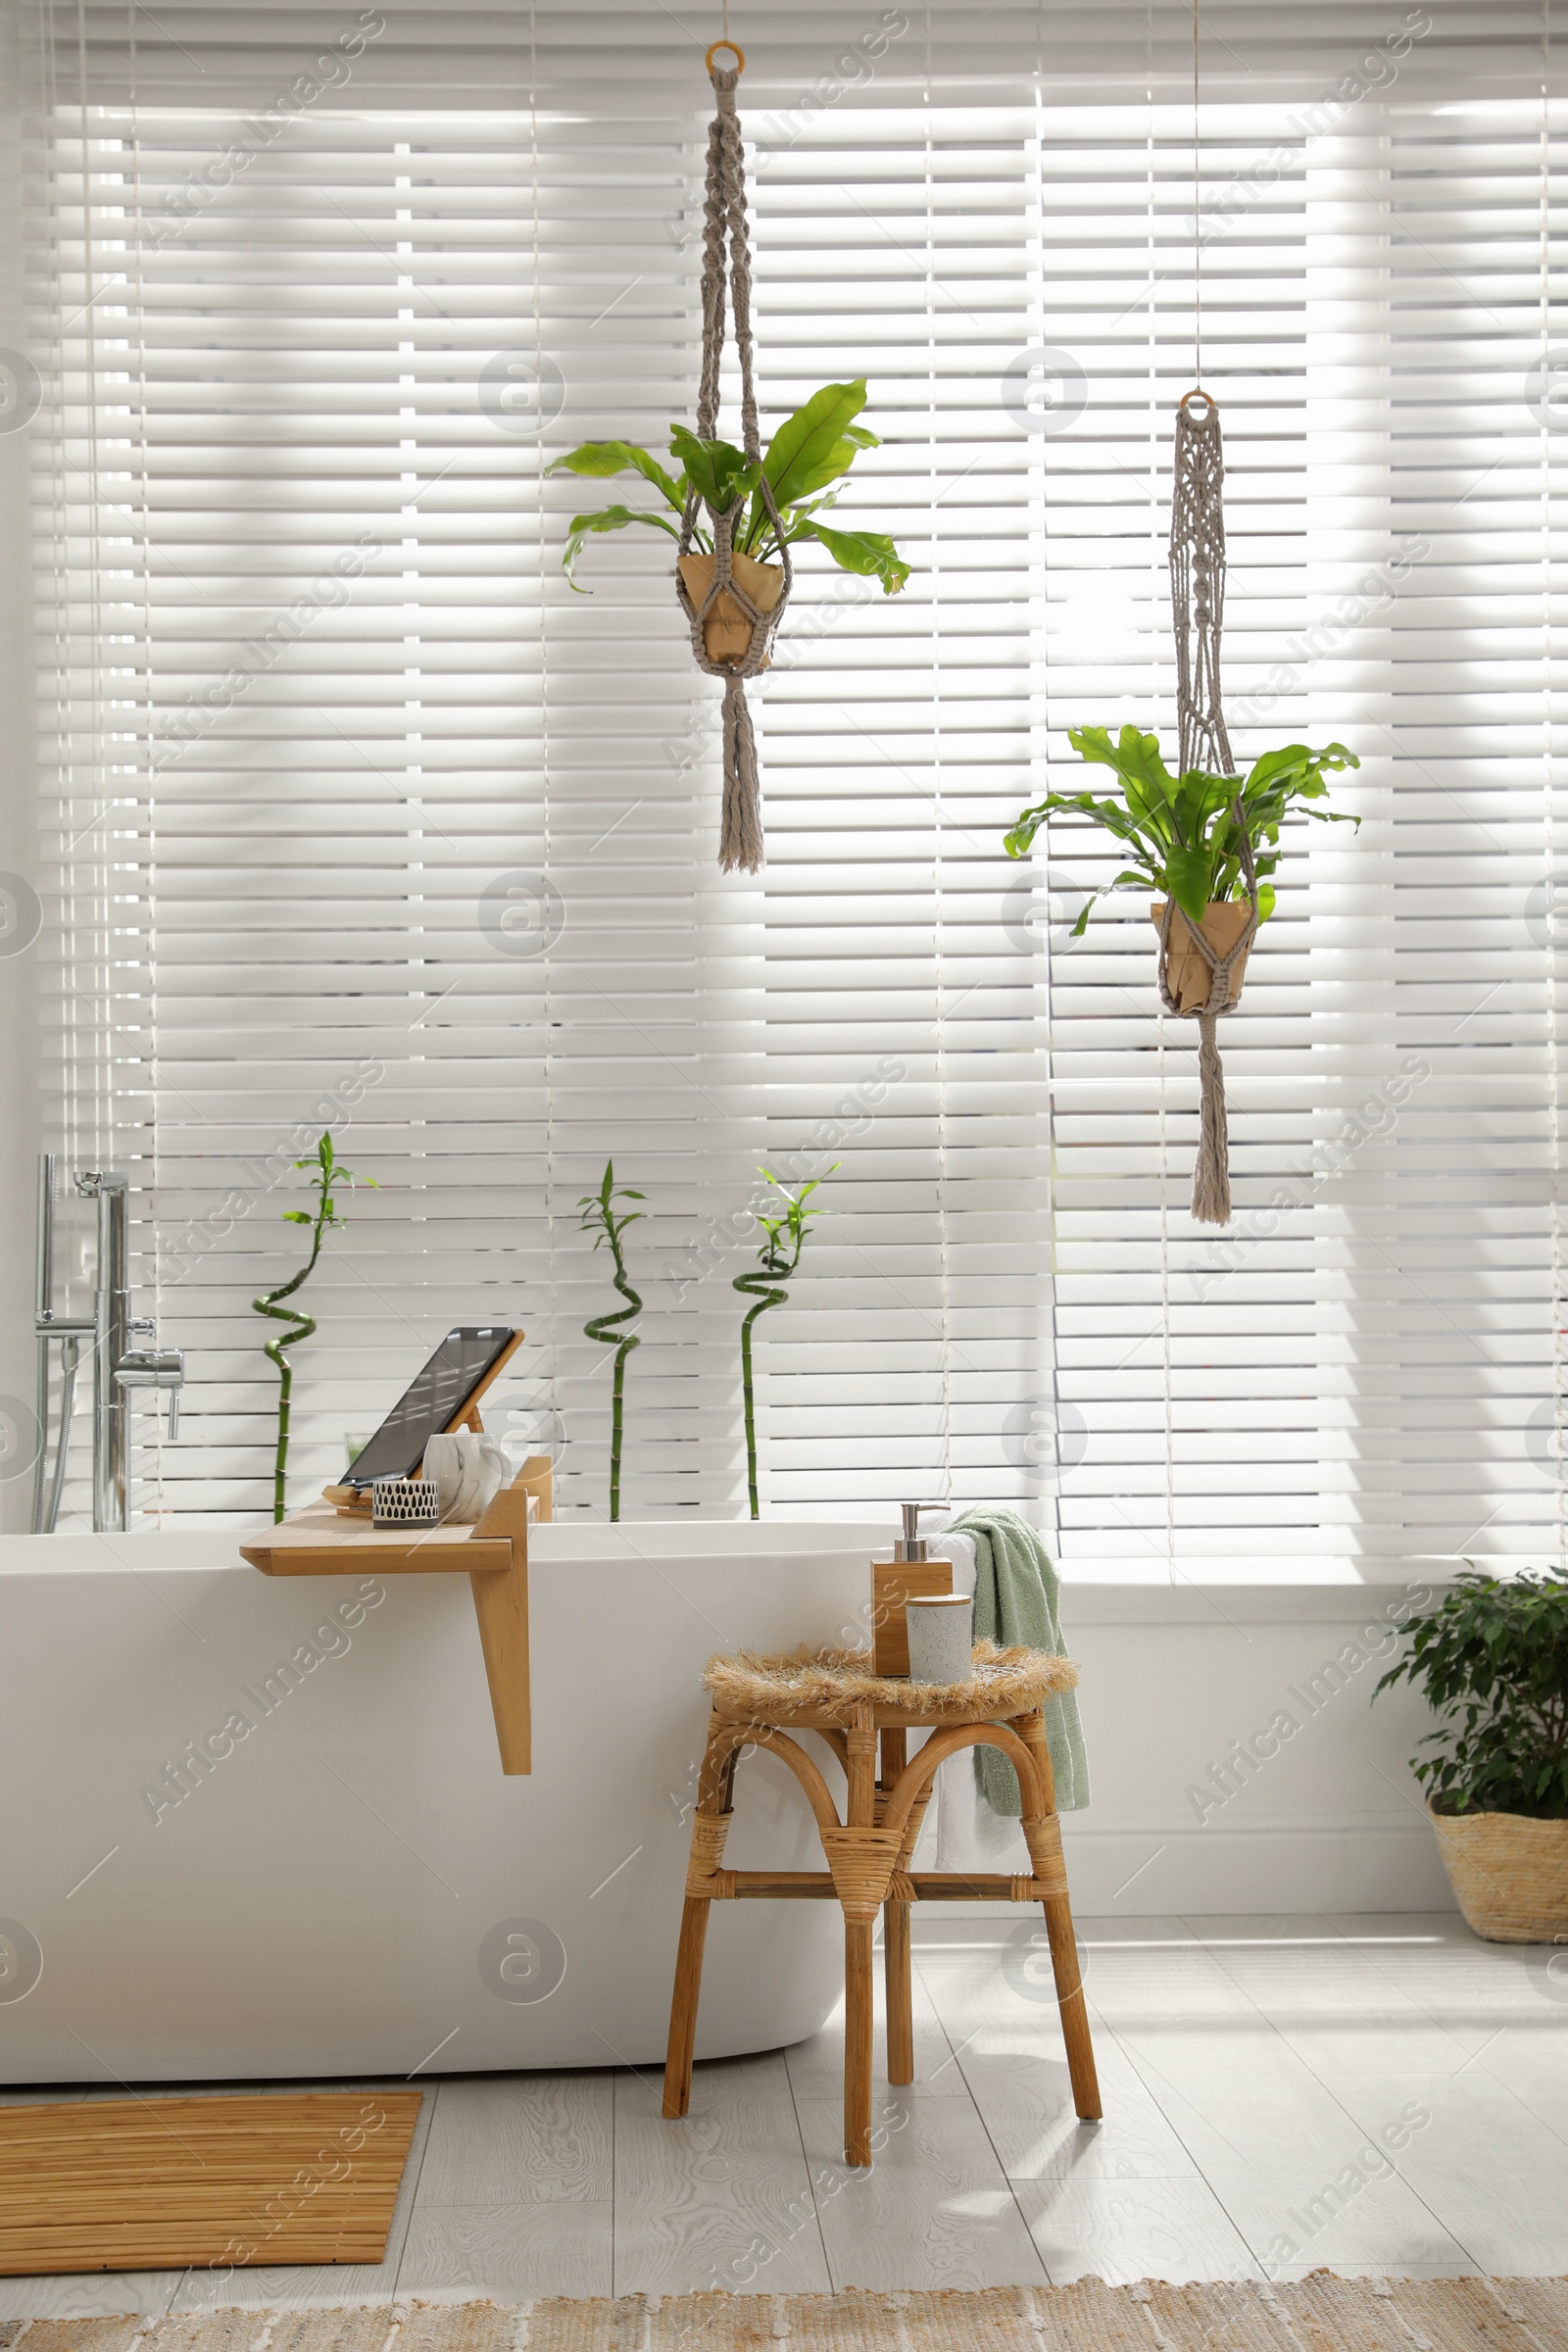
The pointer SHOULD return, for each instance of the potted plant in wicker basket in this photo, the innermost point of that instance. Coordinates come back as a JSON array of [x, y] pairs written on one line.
[[1492, 1659]]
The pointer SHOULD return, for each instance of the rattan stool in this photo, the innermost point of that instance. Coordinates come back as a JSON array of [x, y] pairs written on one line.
[[869, 1852]]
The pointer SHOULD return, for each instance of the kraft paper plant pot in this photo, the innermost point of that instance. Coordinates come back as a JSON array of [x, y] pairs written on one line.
[[727, 631], [1509, 1873], [1224, 922]]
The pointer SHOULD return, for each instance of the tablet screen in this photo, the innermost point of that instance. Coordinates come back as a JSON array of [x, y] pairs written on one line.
[[429, 1405]]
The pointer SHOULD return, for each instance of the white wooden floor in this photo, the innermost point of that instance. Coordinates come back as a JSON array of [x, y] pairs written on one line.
[[1249, 2067]]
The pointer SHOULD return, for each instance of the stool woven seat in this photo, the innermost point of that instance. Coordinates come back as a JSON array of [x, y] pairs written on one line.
[[814, 1687], [838, 1697]]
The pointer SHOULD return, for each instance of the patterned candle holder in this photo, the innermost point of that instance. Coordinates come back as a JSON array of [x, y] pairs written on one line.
[[405, 1502]]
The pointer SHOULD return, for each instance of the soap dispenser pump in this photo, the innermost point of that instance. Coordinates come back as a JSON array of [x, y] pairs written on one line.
[[914, 1573], [912, 1544]]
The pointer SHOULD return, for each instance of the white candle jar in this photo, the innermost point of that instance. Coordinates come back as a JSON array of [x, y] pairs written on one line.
[[941, 1630]]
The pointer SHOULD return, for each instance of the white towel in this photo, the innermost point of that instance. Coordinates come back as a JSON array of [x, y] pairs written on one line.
[[969, 1836]]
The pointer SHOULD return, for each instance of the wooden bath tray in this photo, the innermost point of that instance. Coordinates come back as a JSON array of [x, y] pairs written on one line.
[[322, 1541]]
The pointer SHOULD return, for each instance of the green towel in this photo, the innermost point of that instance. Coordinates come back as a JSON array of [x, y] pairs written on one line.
[[1016, 1591]]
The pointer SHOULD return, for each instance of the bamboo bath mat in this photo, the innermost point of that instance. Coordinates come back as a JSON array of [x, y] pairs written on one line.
[[157, 2184], [1320, 2314]]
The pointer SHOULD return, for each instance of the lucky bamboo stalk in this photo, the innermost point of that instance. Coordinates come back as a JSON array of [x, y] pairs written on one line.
[[328, 1171], [777, 1260], [599, 1218]]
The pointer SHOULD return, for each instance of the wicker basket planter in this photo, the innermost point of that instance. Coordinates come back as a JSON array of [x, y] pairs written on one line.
[[727, 630], [1224, 922], [1509, 1873]]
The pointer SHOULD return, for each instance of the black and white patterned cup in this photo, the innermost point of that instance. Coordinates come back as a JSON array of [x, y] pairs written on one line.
[[405, 1502]]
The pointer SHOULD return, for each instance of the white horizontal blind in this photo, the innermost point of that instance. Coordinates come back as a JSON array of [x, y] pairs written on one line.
[[990, 220], [897, 245], [421, 860], [1363, 1363]]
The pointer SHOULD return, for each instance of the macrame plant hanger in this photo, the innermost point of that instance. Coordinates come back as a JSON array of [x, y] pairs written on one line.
[[1198, 614], [724, 599]]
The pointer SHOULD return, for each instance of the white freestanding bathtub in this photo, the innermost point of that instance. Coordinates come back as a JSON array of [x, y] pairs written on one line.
[[353, 1886]]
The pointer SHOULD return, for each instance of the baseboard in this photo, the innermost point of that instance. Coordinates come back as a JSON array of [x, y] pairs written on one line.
[[1273, 1872]]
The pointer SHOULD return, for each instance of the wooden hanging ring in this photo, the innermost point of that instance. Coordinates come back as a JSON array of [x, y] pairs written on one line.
[[735, 50], [1207, 399]]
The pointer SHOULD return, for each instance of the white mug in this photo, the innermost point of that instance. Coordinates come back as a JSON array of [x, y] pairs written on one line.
[[941, 1630], [467, 1470], [443, 1466]]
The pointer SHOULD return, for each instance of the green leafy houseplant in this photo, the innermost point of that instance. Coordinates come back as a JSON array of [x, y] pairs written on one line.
[[784, 1238], [329, 1171], [811, 450], [1492, 1660], [1180, 832], [600, 1219]]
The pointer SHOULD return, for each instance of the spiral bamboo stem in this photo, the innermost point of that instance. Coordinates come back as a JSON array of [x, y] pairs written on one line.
[[603, 1329], [302, 1327]]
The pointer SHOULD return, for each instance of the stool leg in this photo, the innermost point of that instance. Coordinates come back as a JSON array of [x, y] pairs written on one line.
[[896, 1940], [710, 1824], [1075, 2009], [683, 2006], [858, 2030], [901, 1991], [859, 2011], [1044, 1839]]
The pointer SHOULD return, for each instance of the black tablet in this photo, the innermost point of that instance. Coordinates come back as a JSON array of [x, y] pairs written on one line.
[[455, 1376]]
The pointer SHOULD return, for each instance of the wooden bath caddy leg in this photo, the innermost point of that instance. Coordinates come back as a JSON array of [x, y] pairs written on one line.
[[1044, 1839], [501, 1605], [710, 1826]]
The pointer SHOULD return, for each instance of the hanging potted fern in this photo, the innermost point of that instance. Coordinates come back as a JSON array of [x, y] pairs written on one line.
[[1206, 838], [730, 510], [811, 450], [1188, 837], [730, 587], [1209, 845]]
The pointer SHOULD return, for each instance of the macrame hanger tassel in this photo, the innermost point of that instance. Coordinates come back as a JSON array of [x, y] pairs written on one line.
[[1211, 1176], [1198, 613], [740, 843], [740, 838]]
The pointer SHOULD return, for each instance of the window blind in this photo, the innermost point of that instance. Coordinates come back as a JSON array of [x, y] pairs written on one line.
[[1363, 1363], [365, 820]]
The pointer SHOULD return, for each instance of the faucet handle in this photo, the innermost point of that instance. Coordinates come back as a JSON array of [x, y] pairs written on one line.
[[149, 1369], [147, 1325]]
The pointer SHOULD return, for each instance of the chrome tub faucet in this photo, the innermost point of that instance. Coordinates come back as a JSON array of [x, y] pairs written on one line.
[[118, 1369]]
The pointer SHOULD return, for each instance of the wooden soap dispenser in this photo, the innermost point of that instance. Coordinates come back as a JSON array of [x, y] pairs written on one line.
[[914, 1573]]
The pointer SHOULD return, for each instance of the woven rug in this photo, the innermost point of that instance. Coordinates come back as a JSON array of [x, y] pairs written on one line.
[[1320, 2314]]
